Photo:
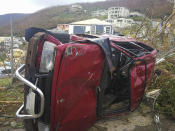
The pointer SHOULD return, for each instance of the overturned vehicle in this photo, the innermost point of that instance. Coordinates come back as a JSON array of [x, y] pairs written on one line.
[[71, 81]]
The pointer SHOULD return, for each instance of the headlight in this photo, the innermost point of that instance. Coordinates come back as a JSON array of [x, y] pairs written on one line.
[[48, 57]]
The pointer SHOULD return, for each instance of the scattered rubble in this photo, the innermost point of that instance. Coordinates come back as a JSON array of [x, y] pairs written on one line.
[[13, 124]]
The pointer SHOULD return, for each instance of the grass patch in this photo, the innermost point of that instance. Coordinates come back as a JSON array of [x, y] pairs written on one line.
[[12, 94], [15, 93], [5, 82]]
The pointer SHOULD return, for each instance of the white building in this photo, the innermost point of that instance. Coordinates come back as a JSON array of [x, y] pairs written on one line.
[[110, 21], [121, 22], [117, 12], [132, 14], [99, 13], [90, 26], [171, 1], [76, 7], [2, 39], [7, 41]]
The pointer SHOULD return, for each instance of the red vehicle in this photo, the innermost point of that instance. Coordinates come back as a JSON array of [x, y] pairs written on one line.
[[71, 81]]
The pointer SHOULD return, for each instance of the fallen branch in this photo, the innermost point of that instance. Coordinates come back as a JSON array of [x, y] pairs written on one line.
[[2, 88], [165, 24], [11, 102], [7, 116]]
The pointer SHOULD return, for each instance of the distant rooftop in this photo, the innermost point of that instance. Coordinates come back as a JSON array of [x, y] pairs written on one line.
[[91, 22]]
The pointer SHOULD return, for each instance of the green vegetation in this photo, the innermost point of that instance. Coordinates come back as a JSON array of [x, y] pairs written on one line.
[[166, 83], [50, 17], [102, 17], [10, 100], [5, 82], [166, 100], [12, 94], [138, 18]]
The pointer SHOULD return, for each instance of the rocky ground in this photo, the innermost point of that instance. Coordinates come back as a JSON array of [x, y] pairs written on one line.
[[10, 100], [139, 120]]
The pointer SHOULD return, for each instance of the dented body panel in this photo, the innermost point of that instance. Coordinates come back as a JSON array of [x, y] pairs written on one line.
[[141, 72], [75, 91], [91, 74]]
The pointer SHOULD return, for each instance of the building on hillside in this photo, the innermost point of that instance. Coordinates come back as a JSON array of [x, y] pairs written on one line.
[[121, 22], [155, 24], [172, 1], [136, 14], [7, 42], [63, 27], [2, 39], [99, 13], [76, 7], [55, 30], [90, 26], [117, 12], [110, 21]]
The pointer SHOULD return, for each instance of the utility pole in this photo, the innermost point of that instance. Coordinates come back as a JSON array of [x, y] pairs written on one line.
[[11, 50]]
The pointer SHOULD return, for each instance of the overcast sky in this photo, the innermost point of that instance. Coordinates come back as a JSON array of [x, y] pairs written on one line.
[[30, 6]]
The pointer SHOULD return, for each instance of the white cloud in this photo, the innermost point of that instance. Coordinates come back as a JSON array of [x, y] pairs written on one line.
[[30, 6], [18, 6], [59, 2]]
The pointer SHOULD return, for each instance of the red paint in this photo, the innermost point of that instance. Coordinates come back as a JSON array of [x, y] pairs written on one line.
[[138, 77], [76, 38], [77, 73], [75, 100], [60, 51], [40, 48]]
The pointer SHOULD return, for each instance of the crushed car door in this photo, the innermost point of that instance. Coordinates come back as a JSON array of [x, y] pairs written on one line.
[[137, 83], [140, 75], [79, 76]]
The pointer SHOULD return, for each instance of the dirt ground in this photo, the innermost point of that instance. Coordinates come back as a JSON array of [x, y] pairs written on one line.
[[133, 121], [139, 120]]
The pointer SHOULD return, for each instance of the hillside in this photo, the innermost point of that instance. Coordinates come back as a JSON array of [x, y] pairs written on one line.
[[50, 17], [5, 19], [156, 8]]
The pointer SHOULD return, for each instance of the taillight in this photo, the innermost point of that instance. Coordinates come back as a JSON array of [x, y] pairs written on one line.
[[47, 57]]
